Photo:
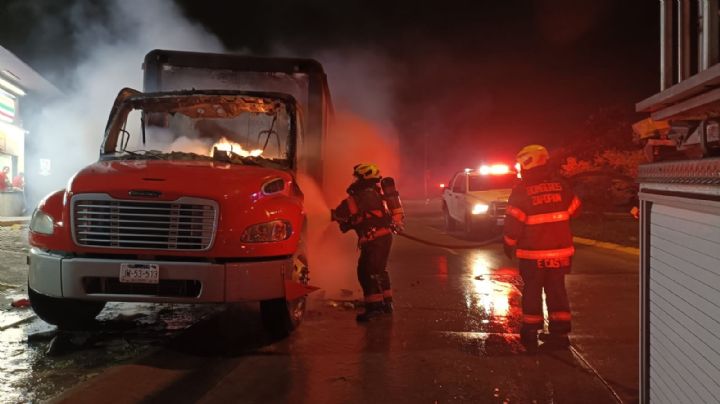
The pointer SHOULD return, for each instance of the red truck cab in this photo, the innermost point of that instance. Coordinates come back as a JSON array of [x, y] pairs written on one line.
[[194, 199]]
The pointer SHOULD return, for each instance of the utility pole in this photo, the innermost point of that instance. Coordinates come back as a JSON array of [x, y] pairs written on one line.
[[426, 172]]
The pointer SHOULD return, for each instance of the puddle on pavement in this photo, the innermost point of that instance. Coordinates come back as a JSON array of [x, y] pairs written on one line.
[[492, 296], [38, 362]]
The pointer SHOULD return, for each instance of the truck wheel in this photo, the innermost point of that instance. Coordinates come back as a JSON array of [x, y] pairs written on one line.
[[280, 316], [64, 313], [449, 221]]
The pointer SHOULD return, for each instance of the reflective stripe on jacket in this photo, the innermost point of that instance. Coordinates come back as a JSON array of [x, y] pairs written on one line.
[[537, 221]]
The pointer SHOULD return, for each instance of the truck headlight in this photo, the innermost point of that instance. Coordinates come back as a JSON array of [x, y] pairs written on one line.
[[41, 222], [277, 230], [479, 209]]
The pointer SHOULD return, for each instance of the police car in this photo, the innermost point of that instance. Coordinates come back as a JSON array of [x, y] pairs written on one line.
[[475, 201]]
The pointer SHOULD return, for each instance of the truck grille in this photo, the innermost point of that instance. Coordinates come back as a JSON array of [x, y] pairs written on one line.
[[499, 208], [184, 224], [164, 288]]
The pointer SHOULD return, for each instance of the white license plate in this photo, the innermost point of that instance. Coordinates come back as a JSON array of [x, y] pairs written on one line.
[[501, 221], [139, 273]]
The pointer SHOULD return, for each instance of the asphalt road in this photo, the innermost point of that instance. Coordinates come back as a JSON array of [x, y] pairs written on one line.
[[453, 338]]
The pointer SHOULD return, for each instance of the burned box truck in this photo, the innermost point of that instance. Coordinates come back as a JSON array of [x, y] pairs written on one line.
[[680, 212], [194, 198]]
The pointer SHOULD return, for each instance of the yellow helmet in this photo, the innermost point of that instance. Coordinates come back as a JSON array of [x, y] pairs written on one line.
[[532, 156], [366, 171]]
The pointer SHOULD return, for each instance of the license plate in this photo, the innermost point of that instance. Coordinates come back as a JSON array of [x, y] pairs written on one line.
[[501, 221], [139, 273]]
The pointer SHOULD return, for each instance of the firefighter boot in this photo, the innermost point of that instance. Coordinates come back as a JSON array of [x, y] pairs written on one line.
[[555, 341], [529, 340], [372, 311]]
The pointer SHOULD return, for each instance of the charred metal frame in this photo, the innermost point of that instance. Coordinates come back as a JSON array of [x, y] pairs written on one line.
[[128, 99], [319, 101]]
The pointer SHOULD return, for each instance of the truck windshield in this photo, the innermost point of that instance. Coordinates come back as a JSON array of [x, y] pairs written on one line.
[[487, 182], [234, 129]]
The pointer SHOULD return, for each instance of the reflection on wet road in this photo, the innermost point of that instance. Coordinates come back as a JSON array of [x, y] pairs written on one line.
[[453, 338], [38, 361]]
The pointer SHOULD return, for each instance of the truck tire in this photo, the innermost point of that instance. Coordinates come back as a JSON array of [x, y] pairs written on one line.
[[280, 317], [64, 313], [449, 221], [468, 228]]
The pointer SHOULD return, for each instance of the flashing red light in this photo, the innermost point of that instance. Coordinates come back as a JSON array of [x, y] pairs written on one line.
[[495, 169], [442, 185]]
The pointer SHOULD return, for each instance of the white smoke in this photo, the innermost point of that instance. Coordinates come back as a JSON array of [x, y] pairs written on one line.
[[69, 131]]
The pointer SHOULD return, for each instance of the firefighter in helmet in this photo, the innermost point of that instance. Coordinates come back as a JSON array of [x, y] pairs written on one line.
[[374, 211], [537, 232]]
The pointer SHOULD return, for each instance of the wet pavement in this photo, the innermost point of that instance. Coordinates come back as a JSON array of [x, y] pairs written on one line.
[[453, 338]]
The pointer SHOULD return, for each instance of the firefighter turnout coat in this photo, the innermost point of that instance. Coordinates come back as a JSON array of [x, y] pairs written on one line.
[[364, 211], [537, 223]]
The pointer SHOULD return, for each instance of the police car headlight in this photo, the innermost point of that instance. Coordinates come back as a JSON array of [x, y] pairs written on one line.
[[479, 208], [277, 230], [41, 222]]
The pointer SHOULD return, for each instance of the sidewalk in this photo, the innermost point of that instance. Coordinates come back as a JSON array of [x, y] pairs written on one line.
[[11, 220]]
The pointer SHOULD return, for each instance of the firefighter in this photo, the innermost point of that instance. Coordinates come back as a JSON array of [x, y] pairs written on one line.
[[373, 210], [537, 232]]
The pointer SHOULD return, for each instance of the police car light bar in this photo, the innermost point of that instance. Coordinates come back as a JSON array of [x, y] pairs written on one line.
[[495, 169]]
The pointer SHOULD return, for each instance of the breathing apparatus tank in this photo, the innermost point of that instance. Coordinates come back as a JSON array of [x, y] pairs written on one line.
[[392, 200]]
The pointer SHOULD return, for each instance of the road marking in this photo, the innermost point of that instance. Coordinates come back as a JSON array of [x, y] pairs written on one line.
[[16, 321], [588, 366], [606, 245]]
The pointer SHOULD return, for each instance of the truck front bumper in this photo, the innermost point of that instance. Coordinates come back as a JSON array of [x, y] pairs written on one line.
[[180, 282]]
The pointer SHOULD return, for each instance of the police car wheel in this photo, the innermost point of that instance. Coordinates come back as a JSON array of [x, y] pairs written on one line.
[[449, 221], [469, 228]]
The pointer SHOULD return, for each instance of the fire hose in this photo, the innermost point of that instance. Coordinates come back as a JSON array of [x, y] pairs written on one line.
[[451, 246]]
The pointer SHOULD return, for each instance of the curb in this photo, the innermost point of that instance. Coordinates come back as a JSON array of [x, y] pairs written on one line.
[[9, 221], [608, 246]]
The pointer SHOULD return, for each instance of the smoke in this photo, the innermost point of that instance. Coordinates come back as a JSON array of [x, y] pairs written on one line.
[[68, 132], [360, 131], [352, 139]]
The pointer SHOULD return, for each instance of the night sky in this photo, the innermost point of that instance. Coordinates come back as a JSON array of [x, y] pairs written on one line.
[[475, 77]]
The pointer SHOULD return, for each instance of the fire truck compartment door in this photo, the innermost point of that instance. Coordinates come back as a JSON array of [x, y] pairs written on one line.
[[681, 298]]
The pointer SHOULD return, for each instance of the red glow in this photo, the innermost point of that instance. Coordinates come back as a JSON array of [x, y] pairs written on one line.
[[495, 169], [442, 266]]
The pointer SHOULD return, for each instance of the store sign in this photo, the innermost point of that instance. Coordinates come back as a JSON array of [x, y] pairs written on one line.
[[7, 107]]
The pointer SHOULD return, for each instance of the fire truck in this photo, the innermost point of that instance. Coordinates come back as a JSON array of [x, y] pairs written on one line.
[[195, 196], [680, 211]]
